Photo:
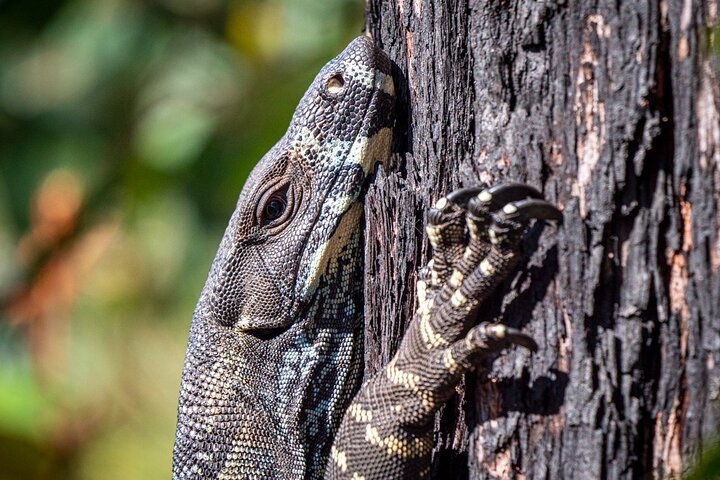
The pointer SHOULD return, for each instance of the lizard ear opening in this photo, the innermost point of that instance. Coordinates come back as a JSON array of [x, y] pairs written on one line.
[[335, 84]]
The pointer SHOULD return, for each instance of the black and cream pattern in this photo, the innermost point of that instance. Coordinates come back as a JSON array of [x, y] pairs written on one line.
[[475, 234], [275, 349], [271, 382]]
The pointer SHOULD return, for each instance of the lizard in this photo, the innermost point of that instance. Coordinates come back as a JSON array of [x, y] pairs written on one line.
[[272, 384]]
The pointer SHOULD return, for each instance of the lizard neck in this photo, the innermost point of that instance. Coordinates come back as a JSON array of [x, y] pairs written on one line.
[[277, 402], [320, 362]]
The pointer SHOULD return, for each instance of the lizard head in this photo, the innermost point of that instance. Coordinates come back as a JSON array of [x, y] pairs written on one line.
[[299, 211]]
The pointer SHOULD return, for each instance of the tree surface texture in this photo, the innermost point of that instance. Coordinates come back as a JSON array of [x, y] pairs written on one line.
[[612, 110]]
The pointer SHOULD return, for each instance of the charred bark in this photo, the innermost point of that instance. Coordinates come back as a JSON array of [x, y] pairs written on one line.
[[612, 110]]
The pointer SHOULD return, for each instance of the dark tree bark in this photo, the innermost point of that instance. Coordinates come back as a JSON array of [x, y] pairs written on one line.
[[612, 109]]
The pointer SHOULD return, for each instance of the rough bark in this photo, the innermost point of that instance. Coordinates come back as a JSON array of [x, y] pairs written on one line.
[[612, 109]]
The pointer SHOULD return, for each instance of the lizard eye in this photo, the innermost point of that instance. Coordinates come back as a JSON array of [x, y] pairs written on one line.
[[274, 208], [335, 84]]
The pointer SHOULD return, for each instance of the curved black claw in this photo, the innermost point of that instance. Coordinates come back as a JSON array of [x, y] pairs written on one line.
[[494, 198], [461, 196], [501, 332], [452, 204], [532, 208], [502, 194]]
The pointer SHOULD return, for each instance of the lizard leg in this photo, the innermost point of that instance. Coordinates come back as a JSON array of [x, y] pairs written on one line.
[[387, 430]]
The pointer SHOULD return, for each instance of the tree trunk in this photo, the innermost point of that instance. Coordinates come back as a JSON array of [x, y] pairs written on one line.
[[612, 109]]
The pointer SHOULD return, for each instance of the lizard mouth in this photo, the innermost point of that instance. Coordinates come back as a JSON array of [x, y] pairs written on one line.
[[268, 333]]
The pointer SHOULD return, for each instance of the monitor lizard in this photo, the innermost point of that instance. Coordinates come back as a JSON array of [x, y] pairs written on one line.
[[271, 384]]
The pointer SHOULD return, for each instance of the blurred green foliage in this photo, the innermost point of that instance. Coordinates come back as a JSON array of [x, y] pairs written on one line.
[[127, 128], [708, 466]]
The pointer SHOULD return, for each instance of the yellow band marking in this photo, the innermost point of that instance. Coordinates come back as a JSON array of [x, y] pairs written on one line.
[[411, 382], [359, 413], [450, 362], [456, 279], [434, 278], [434, 235], [430, 337], [486, 268], [458, 299], [329, 252], [398, 446], [340, 458], [421, 286], [493, 237], [510, 209], [386, 83], [472, 228]]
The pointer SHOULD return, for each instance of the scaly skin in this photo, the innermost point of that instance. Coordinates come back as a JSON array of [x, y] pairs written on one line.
[[275, 348], [271, 381], [475, 234]]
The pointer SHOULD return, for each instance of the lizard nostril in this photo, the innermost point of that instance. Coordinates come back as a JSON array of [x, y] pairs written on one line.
[[335, 84]]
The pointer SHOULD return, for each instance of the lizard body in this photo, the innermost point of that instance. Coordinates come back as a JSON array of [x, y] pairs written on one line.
[[275, 348], [271, 381]]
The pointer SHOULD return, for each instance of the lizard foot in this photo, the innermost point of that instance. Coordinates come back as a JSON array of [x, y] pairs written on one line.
[[475, 234]]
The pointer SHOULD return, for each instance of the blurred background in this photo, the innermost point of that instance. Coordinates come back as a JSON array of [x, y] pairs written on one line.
[[127, 128]]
